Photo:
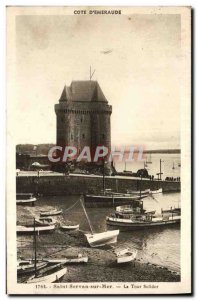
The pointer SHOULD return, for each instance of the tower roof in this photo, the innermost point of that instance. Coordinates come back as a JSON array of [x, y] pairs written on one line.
[[83, 91]]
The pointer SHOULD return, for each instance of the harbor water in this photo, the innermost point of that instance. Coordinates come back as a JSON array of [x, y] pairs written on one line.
[[159, 246]]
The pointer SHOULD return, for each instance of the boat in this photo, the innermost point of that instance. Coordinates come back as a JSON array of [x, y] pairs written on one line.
[[102, 238], [25, 198], [110, 199], [144, 222], [53, 212], [42, 221], [30, 229], [145, 192], [50, 278], [78, 259], [129, 209], [127, 257], [45, 275], [28, 266], [68, 227], [159, 191]]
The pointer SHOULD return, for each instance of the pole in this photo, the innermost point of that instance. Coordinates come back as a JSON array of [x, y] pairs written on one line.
[[35, 250], [103, 176], [140, 186]]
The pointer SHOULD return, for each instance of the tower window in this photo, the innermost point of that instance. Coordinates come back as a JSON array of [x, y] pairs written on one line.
[[83, 135], [71, 137], [103, 136], [81, 119]]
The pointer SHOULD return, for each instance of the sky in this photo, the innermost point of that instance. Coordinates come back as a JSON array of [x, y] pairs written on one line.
[[139, 76]]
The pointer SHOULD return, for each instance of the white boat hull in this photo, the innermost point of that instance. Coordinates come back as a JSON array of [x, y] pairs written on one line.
[[69, 260], [30, 230], [48, 278], [103, 238], [50, 213], [126, 257], [69, 227]]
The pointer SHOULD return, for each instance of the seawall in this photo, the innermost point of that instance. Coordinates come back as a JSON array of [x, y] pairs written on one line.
[[59, 184]]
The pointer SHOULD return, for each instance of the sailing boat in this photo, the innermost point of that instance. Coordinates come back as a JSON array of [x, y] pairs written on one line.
[[149, 161], [108, 198], [45, 277], [102, 238]]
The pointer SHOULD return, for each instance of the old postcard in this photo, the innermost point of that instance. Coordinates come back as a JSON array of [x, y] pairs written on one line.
[[99, 150]]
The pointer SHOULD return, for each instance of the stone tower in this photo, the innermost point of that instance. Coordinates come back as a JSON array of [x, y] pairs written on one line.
[[83, 116]]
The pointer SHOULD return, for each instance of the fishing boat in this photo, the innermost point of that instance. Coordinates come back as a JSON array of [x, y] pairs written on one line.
[[110, 200], [144, 222], [78, 259], [129, 209], [50, 274], [43, 221], [127, 257], [53, 212], [30, 229], [159, 191], [28, 266], [25, 199], [68, 227], [102, 238]]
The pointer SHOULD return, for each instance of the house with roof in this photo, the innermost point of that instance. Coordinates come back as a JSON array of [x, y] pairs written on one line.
[[83, 116]]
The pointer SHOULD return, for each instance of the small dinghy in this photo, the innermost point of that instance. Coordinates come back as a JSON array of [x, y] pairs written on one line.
[[45, 221], [68, 227], [28, 266], [127, 256], [25, 199], [53, 212]]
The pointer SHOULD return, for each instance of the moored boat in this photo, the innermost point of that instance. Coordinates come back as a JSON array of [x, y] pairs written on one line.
[[145, 192], [25, 199], [53, 212], [68, 227], [145, 222], [28, 266], [49, 278], [159, 191], [30, 229], [68, 260], [103, 238], [127, 257], [43, 221]]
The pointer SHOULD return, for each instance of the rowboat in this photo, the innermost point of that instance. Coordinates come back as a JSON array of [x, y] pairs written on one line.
[[45, 221], [53, 277], [144, 223], [28, 266], [78, 259], [156, 191], [50, 213], [127, 257], [25, 198], [68, 227], [30, 229], [103, 238]]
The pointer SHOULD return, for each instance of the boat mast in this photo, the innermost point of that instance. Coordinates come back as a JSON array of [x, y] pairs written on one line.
[[35, 250], [103, 175], [91, 229]]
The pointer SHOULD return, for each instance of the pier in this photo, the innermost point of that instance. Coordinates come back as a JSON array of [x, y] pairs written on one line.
[[52, 183]]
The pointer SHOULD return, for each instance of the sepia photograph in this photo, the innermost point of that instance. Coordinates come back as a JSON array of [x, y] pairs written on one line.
[[99, 146]]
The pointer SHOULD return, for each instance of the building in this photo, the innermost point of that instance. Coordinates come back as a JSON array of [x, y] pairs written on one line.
[[83, 116]]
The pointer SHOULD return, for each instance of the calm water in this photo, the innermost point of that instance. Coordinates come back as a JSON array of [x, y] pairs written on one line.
[[166, 167], [159, 246]]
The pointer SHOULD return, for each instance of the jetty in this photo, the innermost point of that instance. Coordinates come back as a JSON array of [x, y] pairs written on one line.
[[53, 183]]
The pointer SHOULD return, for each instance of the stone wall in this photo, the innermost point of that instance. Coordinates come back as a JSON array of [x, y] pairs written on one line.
[[70, 185]]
